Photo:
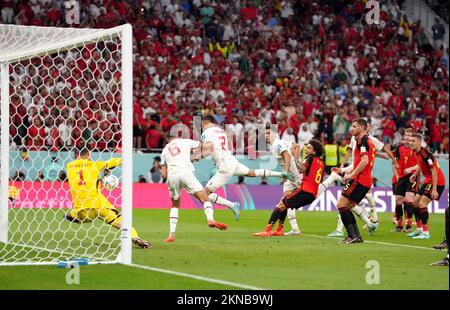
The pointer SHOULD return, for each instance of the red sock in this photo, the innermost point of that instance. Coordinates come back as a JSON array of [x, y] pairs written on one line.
[[280, 227], [419, 224], [425, 228], [400, 222], [409, 222]]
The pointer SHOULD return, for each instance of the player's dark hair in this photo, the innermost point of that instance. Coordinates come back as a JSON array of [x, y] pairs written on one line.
[[317, 146], [361, 122], [210, 119]]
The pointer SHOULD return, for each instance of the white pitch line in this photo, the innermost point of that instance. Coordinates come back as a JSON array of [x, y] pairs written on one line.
[[200, 278], [376, 242]]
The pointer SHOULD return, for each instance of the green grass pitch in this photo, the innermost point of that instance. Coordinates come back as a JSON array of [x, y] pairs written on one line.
[[300, 262]]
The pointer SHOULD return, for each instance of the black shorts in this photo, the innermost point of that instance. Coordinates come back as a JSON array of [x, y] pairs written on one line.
[[404, 185], [298, 199], [137, 132], [425, 190], [354, 191]]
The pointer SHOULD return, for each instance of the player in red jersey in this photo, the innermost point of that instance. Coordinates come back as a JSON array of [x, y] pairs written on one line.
[[312, 169], [433, 184], [358, 182], [394, 183], [405, 189]]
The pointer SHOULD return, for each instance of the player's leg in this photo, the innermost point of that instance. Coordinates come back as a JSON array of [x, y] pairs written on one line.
[[279, 212], [361, 212], [424, 216], [417, 215], [202, 196], [264, 173], [339, 232], [112, 216], [173, 219], [352, 194], [399, 200], [288, 188], [193, 186], [218, 180], [409, 210], [372, 206]]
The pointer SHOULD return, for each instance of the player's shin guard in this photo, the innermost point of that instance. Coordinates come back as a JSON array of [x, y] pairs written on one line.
[[346, 216], [399, 215], [209, 211], [424, 216], [267, 173], [409, 212], [373, 208], [291, 214], [173, 220], [214, 198], [418, 218], [359, 211]]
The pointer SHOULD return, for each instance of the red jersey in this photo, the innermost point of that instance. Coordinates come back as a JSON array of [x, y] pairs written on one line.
[[406, 158], [364, 146], [426, 162], [312, 176]]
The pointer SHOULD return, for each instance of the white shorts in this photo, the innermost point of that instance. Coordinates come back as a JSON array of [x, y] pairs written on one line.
[[179, 180], [289, 186], [225, 171]]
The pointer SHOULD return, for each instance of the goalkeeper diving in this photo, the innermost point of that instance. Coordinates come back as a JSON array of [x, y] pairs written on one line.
[[89, 203]]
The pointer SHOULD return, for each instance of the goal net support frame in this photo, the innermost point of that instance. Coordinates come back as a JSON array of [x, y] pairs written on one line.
[[12, 56]]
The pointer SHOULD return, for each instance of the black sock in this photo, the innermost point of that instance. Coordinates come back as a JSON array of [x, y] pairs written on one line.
[[399, 215], [346, 217], [275, 216], [355, 225], [417, 214], [424, 216], [409, 211], [283, 215]]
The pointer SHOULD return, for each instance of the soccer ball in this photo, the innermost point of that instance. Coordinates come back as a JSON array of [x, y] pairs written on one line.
[[110, 182]]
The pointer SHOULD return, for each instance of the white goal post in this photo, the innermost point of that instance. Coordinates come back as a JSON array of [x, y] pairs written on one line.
[[45, 73]]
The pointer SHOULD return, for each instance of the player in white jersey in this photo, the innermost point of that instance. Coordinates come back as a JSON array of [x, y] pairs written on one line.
[[282, 150], [177, 168], [370, 221], [227, 165]]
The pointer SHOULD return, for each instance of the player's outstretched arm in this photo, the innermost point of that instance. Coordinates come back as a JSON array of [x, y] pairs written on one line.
[[113, 163]]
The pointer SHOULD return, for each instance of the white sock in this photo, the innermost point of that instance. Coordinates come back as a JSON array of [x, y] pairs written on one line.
[[373, 208], [362, 215], [292, 219], [214, 198], [267, 173], [173, 220], [333, 177], [340, 224], [363, 209], [209, 211]]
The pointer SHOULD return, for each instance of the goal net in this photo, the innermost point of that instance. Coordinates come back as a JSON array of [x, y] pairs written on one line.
[[63, 89]]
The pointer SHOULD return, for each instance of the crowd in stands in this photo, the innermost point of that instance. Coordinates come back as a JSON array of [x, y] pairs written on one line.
[[309, 66]]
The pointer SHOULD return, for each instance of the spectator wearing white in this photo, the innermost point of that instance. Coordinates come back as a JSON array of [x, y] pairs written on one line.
[[288, 135], [304, 135]]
